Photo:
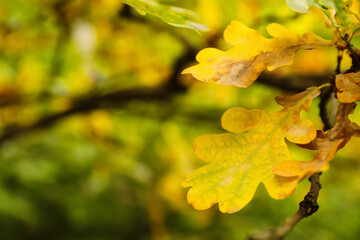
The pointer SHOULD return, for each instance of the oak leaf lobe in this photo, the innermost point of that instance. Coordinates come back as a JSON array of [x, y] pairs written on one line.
[[326, 143]]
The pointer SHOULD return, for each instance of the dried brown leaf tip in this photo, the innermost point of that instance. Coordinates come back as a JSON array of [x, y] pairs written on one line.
[[326, 143], [348, 86]]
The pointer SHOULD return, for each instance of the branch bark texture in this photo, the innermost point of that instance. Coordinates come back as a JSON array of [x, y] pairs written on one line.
[[306, 208]]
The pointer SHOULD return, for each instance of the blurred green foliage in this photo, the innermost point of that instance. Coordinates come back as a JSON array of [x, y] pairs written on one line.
[[113, 170]]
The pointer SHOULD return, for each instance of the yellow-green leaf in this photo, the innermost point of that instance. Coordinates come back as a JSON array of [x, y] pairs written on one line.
[[243, 158], [251, 54]]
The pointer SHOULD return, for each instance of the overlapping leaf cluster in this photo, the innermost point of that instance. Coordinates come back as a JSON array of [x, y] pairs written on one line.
[[254, 148], [340, 13]]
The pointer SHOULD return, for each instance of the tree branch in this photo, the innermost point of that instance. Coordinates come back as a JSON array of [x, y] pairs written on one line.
[[119, 97], [293, 83], [162, 93], [306, 208], [112, 99]]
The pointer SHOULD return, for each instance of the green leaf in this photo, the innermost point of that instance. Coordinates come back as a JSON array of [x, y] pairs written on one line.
[[300, 6], [174, 16], [341, 17]]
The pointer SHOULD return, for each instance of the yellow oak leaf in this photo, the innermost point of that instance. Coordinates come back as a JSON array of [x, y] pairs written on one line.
[[348, 86], [326, 143], [251, 54], [244, 157]]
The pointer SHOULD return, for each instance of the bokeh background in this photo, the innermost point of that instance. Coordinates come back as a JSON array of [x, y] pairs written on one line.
[[97, 124]]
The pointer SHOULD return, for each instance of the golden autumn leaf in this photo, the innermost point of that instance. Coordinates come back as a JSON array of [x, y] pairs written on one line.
[[326, 143], [348, 86], [250, 54], [243, 158]]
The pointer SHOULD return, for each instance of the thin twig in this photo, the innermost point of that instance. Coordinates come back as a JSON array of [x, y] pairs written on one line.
[[306, 208], [339, 59]]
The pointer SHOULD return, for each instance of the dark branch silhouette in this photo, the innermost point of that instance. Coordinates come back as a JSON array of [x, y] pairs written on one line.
[[112, 99], [118, 98]]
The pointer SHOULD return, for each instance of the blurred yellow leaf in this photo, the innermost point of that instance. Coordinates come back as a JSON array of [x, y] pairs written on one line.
[[211, 13]]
